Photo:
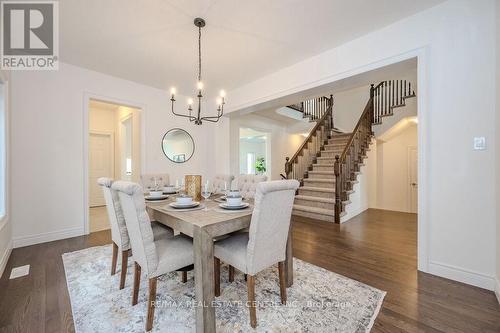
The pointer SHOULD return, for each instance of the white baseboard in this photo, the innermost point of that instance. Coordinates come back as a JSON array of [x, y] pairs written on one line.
[[462, 275], [497, 289], [47, 237], [5, 258], [353, 213]]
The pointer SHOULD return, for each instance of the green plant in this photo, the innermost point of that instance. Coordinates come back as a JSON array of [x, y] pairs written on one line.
[[260, 165]]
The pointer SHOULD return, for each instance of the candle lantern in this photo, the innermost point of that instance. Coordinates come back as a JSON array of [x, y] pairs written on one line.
[[193, 186]]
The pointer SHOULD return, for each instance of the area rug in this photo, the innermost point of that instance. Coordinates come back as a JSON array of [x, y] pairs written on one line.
[[318, 301]]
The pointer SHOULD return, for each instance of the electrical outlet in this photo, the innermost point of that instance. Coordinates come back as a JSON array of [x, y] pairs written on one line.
[[479, 143]]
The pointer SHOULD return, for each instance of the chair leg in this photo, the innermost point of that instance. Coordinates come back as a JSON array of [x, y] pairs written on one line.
[[231, 273], [281, 273], [137, 280], [251, 300], [217, 277], [124, 268], [114, 259], [184, 276], [151, 304]]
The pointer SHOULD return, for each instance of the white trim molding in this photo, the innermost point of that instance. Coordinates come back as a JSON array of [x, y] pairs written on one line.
[[48, 236], [5, 258], [497, 290], [462, 275]]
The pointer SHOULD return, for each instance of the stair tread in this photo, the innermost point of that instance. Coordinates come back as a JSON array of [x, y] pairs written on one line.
[[318, 189], [314, 209], [323, 165], [322, 172], [311, 198]]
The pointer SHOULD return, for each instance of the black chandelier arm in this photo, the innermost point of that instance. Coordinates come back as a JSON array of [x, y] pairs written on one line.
[[191, 118], [210, 120]]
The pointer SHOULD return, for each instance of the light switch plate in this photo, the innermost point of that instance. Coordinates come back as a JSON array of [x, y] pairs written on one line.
[[19, 271], [479, 143]]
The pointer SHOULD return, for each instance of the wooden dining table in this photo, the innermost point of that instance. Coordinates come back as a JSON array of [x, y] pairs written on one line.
[[203, 226]]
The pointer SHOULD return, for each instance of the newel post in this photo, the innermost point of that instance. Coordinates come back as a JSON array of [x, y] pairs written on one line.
[[338, 188], [287, 168]]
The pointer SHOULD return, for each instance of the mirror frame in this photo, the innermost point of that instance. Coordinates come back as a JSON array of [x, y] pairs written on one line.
[[192, 140]]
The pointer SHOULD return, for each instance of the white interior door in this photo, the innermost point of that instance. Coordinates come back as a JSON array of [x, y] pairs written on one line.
[[413, 179], [101, 164]]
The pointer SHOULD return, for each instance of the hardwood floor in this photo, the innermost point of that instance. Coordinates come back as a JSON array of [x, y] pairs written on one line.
[[376, 247]]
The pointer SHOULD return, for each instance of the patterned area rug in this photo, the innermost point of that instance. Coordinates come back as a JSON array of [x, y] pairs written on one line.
[[319, 300]]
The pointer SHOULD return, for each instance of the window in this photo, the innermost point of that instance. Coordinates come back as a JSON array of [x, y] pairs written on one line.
[[250, 163]]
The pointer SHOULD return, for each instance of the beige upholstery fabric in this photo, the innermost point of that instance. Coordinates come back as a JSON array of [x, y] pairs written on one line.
[[155, 257], [219, 181], [119, 232], [265, 244], [247, 184], [148, 180]]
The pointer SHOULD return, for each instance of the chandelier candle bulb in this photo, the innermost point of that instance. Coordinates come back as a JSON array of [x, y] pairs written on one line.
[[199, 85]]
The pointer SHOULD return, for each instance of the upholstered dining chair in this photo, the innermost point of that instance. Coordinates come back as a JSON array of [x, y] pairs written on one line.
[[265, 243], [152, 257], [221, 180], [148, 180], [119, 233], [247, 184]]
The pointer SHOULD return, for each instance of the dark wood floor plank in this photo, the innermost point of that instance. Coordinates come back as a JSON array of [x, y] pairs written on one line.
[[377, 247]]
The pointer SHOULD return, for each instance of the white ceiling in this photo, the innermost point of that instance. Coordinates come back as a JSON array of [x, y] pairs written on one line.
[[154, 42]]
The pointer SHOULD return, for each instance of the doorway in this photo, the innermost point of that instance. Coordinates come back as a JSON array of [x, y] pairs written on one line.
[[113, 152], [254, 152]]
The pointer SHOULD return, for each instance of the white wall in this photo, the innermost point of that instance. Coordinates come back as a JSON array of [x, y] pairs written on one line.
[[455, 45], [47, 140], [5, 221], [349, 104]]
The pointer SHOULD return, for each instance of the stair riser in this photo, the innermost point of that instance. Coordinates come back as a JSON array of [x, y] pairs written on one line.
[[330, 153], [326, 161], [338, 149], [338, 141], [322, 167], [330, 195], [320, 176], [309, 182], [317, 204], [328, 218]]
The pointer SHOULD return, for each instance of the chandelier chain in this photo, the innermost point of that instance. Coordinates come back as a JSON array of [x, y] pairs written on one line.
[[199, 53]]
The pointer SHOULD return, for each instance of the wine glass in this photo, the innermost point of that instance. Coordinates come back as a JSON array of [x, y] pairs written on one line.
[[206, 193]]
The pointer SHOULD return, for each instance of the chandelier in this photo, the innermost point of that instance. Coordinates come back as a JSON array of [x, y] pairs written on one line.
[[197, 118]]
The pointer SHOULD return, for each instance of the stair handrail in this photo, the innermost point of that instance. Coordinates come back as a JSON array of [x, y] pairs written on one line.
[[326, 119]]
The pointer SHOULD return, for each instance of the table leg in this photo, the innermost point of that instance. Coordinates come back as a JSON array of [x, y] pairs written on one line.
[[289, 259], [204, 281]]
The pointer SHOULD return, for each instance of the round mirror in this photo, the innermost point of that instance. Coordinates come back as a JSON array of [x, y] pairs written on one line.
[[178, 145]]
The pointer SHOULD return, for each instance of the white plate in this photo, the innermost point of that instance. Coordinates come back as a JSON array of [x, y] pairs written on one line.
[[178, 206], [242, 206], [160, 198]]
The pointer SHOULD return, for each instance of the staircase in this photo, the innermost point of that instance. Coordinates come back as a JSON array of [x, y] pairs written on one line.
[[328, 162]]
